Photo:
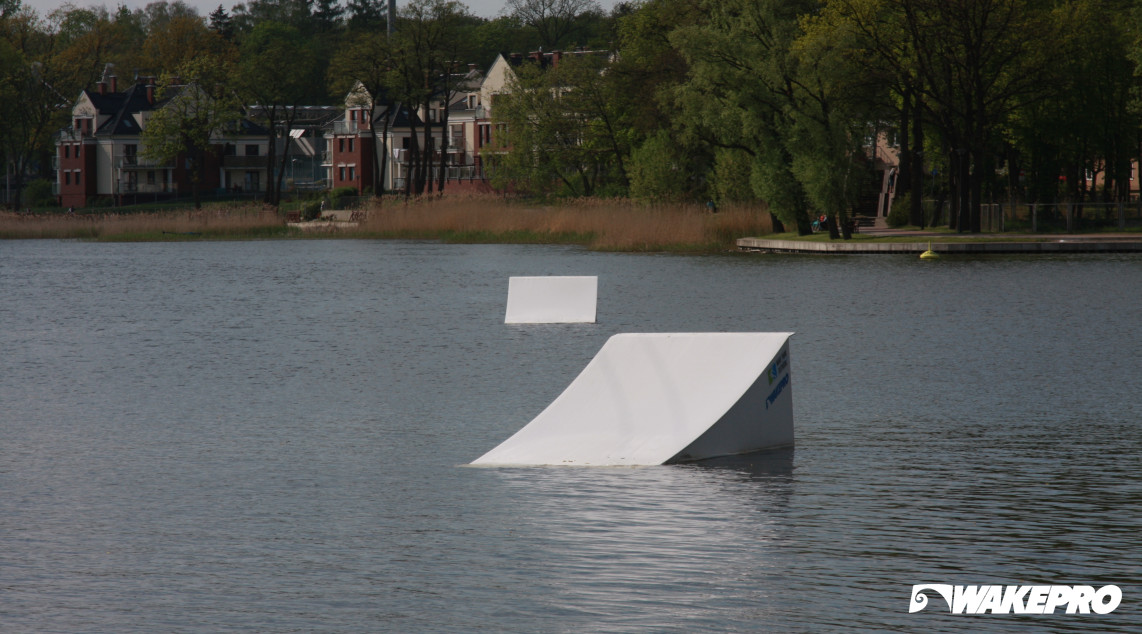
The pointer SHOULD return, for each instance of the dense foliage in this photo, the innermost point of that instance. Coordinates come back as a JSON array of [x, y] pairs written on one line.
[[726, 100]]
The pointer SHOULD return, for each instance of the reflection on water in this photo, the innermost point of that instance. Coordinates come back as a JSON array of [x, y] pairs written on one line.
[[653, 546], [267, 437]]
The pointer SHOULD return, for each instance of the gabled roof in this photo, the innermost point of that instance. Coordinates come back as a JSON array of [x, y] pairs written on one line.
[[122, 107]]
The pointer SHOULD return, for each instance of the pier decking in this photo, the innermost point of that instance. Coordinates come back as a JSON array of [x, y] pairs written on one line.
[[1071, 244]]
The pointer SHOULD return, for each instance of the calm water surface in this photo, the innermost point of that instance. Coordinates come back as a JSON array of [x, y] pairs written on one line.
[[269, 437]]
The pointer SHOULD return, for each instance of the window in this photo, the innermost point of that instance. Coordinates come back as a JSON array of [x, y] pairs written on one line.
[[350, 144], [432, 114], [76, 177], [341, 144], [151, 177], [67, 178], [340, 173], [67, 151], [352, 115], [352, 173], [252, 150], [230, 150], [77, 146]]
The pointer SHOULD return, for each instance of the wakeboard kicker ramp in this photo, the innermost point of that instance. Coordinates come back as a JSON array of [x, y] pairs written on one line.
[[552, 300], [650, 399]]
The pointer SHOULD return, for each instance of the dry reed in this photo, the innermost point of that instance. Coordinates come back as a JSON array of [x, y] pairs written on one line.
[[215, 222], [619, 225]]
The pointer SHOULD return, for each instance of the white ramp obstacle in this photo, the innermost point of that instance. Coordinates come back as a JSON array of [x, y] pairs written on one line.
[[552, 300], [648, 399]]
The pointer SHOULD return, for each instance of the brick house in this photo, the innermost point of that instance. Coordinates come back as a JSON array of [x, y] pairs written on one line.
[[99, 156], [352, 153]]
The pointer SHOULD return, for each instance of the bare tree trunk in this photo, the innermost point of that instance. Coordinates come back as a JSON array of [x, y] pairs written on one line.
[[445, 141]]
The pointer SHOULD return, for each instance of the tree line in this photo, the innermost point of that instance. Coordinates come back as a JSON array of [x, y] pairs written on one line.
[[783, 100], [275, 54], [725, 100]]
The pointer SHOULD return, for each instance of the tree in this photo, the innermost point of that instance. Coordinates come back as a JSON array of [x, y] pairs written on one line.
[[183, 39], [195, 105], [976, 63], [222, 24], [327, 15], [363, 69], [553, 20], [34, 78], [741, 92], [276, 88], [366, 15], [425, 49], [565, 127]]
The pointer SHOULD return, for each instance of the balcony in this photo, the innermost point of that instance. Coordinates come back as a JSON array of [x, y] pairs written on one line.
[[69, 135], [327, 158], [243, 162], [143, 188], [464, 173], [456, 145], [346, 127], [134, 161]]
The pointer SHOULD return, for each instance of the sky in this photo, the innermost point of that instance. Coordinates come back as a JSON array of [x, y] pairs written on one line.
[[482, 8]]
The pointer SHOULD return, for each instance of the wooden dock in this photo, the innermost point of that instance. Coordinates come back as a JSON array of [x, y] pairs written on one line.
[[1070, 244]]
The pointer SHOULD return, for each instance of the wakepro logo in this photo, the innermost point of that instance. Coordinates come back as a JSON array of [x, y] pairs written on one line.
[[780, 364], [1019, 599]]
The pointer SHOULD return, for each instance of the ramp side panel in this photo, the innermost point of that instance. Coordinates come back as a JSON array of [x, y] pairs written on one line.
[[642, 399], [761, 419], [552, 299]]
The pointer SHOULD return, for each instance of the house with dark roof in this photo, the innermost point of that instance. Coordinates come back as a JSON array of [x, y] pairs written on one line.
[[352, 152], [99, 156]]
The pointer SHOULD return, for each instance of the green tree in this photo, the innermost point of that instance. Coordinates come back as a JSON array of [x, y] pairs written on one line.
[[34, 79], [565, 128], [741, 91], [195, 106], [277, 89], [553, 20], [364, 66], [977, 62]]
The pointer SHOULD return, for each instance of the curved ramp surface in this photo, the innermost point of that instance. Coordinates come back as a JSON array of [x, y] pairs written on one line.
[[552, 300], [648, 399]]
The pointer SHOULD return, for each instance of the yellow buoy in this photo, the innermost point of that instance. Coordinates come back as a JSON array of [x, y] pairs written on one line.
[[929, 254]]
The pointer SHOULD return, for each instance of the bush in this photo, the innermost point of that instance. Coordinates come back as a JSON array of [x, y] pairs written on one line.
[[311, 210], [901, 212], [38, 193]]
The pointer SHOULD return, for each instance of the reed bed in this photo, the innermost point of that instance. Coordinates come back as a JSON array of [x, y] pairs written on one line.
[[615, 225], [220, 222]]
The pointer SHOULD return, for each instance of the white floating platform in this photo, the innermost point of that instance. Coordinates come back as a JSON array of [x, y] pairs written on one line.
[[649, 399], [552, 300]]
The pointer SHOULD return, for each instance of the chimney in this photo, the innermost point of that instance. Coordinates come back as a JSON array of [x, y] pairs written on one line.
[[536, 55], [555, 57], [516, 57], [151, 94], [114, 83], [102, 87]]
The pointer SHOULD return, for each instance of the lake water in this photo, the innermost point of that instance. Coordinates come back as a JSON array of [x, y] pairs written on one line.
[[270, 437]]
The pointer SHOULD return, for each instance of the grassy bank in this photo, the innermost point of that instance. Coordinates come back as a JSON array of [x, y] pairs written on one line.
[[596, 224]]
